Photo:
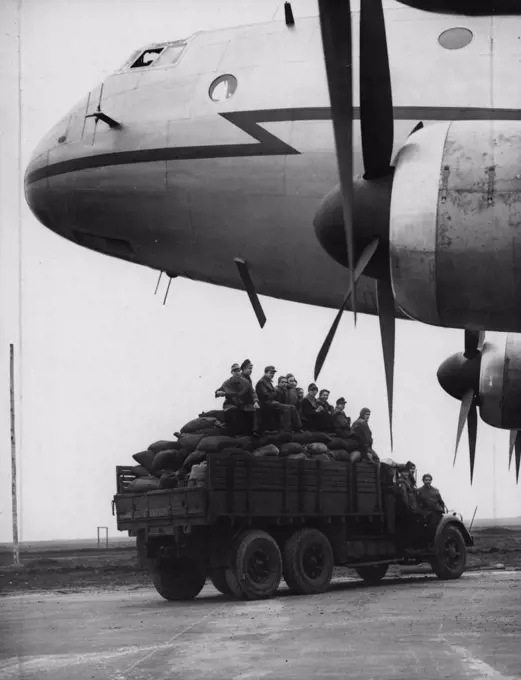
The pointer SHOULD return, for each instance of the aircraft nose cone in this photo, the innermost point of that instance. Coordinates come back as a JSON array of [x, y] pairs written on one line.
[[37, 193]]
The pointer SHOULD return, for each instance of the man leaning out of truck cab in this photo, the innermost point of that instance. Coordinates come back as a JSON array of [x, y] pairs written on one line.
[[430, 501]]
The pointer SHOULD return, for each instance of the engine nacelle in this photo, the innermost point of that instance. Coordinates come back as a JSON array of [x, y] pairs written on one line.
[[500, 383], [455, 225], [494, 375]]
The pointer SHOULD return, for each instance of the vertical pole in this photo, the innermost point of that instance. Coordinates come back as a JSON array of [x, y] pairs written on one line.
[[16, 548], [473, 516]]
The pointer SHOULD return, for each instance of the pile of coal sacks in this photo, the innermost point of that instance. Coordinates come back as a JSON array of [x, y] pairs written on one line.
[[169, 464]]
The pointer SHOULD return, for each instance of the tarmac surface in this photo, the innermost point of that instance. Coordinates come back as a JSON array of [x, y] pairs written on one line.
[[410, 628]]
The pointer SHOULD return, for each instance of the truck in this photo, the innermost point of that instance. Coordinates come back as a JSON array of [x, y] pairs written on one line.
[[251, 522]]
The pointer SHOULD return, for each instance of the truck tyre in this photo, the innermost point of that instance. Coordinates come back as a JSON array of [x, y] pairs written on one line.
[[373, 573], [451, 553], [258, 565], [308, 562], [232, 583], [218, 579], [178, 579]]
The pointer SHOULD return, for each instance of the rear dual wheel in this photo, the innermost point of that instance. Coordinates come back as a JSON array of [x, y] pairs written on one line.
[[181, 579], [308, 562], [255, 567], [218, 579]]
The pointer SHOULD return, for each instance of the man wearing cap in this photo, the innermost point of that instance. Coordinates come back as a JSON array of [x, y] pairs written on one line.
[[289, 418], [313, 412], [364, 435], [238, 395], [341, 423], [429, 498], [246, 371]]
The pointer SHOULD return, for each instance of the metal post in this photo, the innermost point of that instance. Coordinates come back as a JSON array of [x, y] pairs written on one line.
[[470, 528], [16, 547], [106, 537]]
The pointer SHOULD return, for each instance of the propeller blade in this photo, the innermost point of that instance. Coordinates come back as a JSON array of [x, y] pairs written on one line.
[[466, 403], [385, 301], [518, 455], [335, 26], [362, 263], [376, 100], [513, 436], [250, 289], [473, 435], [473, 343], [515, 444], [288, 14]]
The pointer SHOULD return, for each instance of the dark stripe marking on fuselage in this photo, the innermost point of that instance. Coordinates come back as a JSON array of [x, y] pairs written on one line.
[[266, 143]]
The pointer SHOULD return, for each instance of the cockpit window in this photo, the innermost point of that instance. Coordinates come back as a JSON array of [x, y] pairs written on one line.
[[158, 55], [147, 58], [170, 55]]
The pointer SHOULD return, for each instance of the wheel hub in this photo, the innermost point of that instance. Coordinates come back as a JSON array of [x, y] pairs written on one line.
[[259, 566], [452, 553], [313, 562]]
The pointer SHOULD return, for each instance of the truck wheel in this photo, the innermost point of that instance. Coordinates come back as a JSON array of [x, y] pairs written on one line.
[[233, 583], [308, 562], [178, 579], [451, 554], [218, 579], [258, 565], [373, 573]]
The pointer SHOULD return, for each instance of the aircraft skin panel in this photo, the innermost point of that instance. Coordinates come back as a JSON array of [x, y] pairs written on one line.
[[190, 183]]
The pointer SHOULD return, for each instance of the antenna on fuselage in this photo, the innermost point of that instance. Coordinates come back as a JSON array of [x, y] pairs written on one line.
[[158, 282], [170, 277], [288, 14]]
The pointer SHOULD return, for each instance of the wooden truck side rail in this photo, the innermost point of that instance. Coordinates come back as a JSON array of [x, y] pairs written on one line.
[[247, 487]]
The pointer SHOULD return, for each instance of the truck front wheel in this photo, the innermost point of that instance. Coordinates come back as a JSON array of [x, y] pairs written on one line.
[[308, 562], [451, 554], [372, 573], [180, 579], [258, 565]]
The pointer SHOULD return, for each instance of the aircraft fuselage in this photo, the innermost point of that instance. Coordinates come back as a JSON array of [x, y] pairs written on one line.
[[186, 184]]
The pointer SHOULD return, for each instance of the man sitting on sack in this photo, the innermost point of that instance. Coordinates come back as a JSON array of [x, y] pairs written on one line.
[[240, 400], [288, 417]]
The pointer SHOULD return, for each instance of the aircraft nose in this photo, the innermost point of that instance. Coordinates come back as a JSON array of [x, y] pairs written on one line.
[[37, 192]]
